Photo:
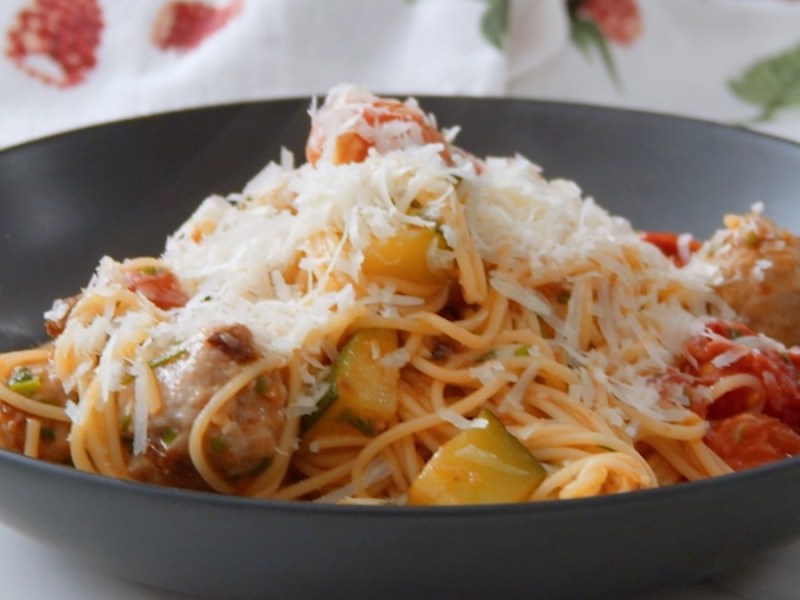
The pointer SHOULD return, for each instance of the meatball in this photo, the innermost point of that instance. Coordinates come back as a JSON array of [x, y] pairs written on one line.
[[242, 438], [758, 274]]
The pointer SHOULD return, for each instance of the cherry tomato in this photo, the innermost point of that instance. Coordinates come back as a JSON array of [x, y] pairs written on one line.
[[160, 286]]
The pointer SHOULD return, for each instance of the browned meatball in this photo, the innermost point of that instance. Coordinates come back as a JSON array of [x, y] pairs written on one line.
[[242, 438], [759, 274], [53, 445]]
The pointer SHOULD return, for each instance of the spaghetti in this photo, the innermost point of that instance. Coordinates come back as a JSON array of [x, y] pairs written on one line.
[[384, 323]]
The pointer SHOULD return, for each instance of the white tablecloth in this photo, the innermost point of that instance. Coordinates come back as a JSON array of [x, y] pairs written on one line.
[[31, 571]]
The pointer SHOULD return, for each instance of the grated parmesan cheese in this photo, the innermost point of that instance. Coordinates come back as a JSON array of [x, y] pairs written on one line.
[[460, 421], [267, 258]]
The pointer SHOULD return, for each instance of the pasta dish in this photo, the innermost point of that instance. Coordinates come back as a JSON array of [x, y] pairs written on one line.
[[396, 320]]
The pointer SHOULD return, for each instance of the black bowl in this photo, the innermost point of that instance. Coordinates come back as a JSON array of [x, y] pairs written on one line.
[[120, 189]]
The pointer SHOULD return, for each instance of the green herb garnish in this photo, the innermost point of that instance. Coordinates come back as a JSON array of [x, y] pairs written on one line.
[[738, 432], [149, 270], [217, 443], [261, 385], [563, 297], [262, 465], [751, 239], [24, 381], [168, 436], [168, 357], [490, 355], [125, 424], [47, 434]]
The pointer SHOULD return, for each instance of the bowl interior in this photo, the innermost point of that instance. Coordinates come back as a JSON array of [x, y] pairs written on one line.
[[120, 189]]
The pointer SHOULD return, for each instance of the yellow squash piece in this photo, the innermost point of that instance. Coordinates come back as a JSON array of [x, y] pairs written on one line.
[[478, 466], [363, 393], [404, 255]]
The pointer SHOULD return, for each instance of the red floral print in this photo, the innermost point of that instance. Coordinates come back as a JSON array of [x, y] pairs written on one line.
[[56, 41], [185, 25], [618, 20]]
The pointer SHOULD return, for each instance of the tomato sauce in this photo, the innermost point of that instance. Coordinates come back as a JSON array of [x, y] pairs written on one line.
[[748, 440], [749, 425]]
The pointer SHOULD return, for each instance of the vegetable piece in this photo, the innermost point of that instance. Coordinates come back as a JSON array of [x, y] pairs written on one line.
[[168, 436], [24, 381], [363, 393], [171, 355], [158, 285], [478, 466], [404, 256]]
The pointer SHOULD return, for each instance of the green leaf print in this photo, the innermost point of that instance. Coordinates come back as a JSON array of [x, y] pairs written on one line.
[[494, 22], [586, 36], [771, 84]]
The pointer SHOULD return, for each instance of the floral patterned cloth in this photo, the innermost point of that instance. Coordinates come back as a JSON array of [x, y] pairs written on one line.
[[69, 63], [735, 61]]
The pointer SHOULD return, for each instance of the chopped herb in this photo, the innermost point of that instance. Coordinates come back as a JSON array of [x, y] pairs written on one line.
[[785, 358], [217, 443], [522, 351], [125, 424], [262, 465], [606, 448], [168, 436], [490, 355], [261, 385], [127, 379], [207, 299], [168, 357], [24, 381], [563, 297], [751, 239], [733, 333], [47, 434], [362, 425], [738, 432], [149, 270]]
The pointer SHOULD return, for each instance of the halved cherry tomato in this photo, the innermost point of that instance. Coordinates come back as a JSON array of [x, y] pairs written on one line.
[[160, 286]]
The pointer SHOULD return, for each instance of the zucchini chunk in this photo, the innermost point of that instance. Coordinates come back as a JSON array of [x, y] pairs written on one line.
[[478, 466], [362, 397]]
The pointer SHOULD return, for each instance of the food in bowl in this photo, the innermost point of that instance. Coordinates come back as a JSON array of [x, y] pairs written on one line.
[[399, 321]]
